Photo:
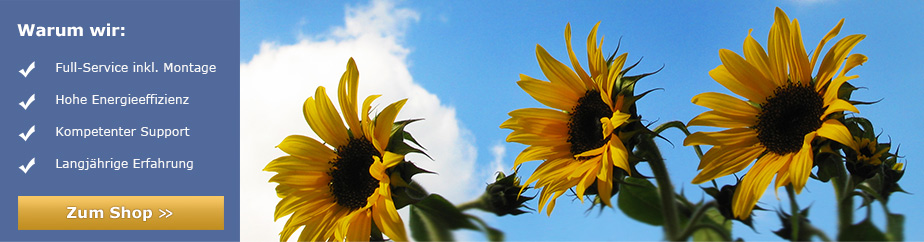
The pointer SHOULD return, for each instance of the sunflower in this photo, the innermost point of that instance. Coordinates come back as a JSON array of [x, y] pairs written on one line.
[[576, 138], [786, 109], [338, 190]]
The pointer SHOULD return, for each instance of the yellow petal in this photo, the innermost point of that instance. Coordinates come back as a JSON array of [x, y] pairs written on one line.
[[758, 58], [783, 176], [853, 61], [777, 49], [724, 103], [306, 148], [391, 159], [587, 173], [830, 94], [722, 120], [290, 204], [301, 178], [605, 186], [559, 73], [746, 74], [318, 125], [541, 127], [292, 163], [541, 153], [799, 69], [535, 139], [835, 130], [384, 123], [377, 169], [590, 153], [729, 137], [754, 183], [612, 74], [549, 94], [835, 57], [723, 161], [721, 75], [540, 113], [359, 227], [574, 61], [594, 55], [829, 36], [326, 121], [346, 94], [619, 155], [387, 219], [801, 165], [839, 105]]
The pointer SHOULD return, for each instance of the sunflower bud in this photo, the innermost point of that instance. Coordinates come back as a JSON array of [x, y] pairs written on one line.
[[723, 199], [866, 161], [503, 196]]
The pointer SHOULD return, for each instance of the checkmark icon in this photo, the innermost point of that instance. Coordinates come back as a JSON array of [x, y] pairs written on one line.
[[25, 105], [25, 137], [25, 169], [25, 73]]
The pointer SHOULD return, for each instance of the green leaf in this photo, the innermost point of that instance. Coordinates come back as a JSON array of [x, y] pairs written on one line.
[[895, 227], [713, 216], [434, 218], [408, 195], [863, 231], [492, 233], [639, 200]]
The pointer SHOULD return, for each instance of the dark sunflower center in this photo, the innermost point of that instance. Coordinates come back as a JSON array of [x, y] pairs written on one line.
[[585, 132], [867, 150], [787, 116], [351, 182]]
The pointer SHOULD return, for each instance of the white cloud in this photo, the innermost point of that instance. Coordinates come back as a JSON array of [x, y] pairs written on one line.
[[279, 78]]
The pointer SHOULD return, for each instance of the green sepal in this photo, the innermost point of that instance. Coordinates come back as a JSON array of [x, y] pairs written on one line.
[[827, 166], [846, 90], [396, 140], [805, 233], [407, 170]]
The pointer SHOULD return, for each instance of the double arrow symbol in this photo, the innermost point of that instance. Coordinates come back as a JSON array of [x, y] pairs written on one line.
[[162, 213]]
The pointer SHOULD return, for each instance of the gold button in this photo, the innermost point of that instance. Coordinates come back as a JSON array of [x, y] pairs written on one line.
[[121, 213]]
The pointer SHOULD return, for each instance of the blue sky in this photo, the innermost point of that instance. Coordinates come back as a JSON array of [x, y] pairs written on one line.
[[469, 53]]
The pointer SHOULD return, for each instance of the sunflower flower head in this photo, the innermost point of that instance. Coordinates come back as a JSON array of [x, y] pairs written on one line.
[[785, 109], [582, 137], [865, 161], [341, 188]]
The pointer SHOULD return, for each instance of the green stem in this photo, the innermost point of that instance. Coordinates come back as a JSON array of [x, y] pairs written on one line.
[[794, 219], [843, 188], [694, 220], [477, 204], [668, 206], [819, 233]]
